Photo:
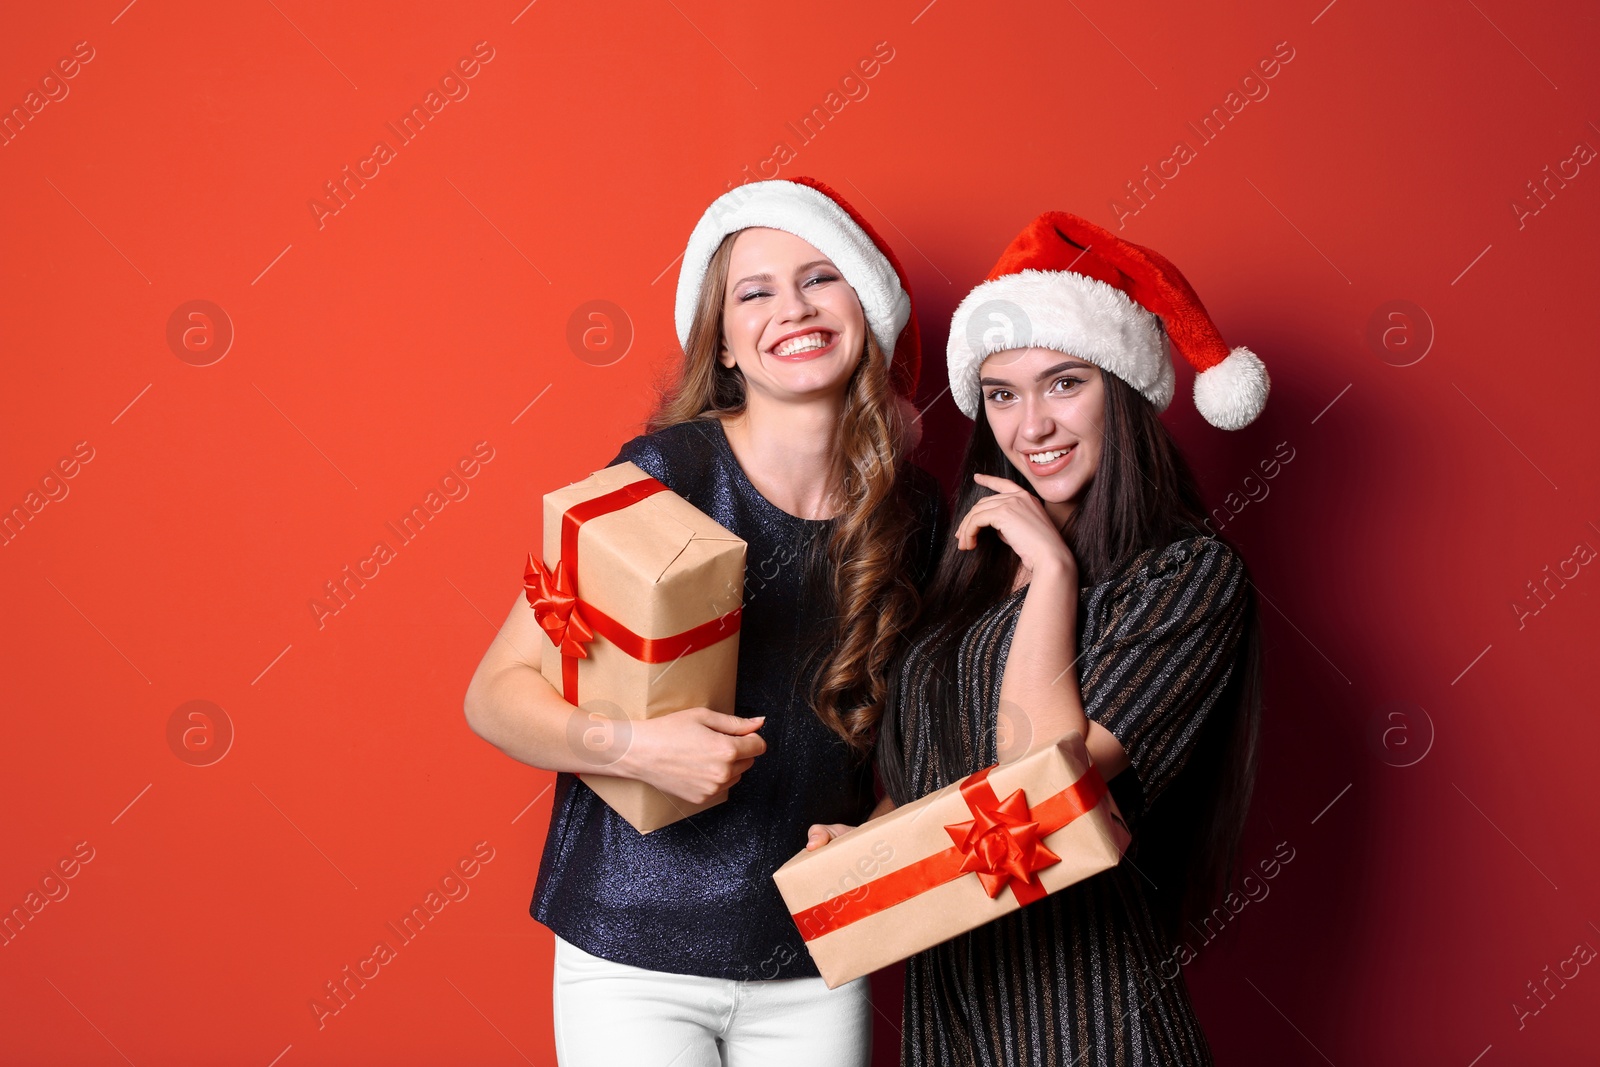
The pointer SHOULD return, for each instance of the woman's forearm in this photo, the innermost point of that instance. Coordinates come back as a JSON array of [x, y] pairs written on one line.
[[695, 753], [510, 705], [1040, 698], [515, 709], [1039, 695]]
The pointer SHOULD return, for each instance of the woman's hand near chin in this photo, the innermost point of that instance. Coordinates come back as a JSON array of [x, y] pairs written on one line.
[[1020, 520]]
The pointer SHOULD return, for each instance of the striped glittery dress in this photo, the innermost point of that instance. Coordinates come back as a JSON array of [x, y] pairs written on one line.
[[1083, 977]]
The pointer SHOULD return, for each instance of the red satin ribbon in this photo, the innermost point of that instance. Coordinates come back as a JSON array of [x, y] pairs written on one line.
[[1001, 841], [1003, 844], [572, 622], [555, 605]]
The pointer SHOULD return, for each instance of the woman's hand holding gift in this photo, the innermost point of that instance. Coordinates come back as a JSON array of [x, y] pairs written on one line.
[[693, 754], [821, 833]]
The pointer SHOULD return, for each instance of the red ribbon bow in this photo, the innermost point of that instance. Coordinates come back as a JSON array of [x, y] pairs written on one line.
[[1001, 842], [555, 605]]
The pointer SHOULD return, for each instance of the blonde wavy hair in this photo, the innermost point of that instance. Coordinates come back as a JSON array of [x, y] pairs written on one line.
[[874, 599]]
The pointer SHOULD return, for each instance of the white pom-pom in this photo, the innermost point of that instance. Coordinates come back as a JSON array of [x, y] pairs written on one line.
[[1231, 394]]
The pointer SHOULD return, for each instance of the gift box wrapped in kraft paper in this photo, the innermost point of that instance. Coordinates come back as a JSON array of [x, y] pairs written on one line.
[[951, 861], [638, 600]]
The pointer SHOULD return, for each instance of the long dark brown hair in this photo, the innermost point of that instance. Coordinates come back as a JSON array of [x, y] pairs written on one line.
[[863, 568], [1143, 496]]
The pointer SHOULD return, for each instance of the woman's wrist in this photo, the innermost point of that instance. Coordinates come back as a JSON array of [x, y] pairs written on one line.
[[1056, 575], [618, 753]]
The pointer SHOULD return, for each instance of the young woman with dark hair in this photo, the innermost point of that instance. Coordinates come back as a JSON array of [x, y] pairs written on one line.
[[788, 424], [1080, 592]]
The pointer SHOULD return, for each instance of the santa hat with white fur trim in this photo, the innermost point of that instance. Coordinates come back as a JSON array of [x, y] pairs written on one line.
[[816, 214], [1066, 284]]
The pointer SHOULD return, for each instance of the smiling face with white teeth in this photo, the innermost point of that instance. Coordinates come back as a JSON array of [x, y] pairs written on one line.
[[790, 322], [1047, 411]]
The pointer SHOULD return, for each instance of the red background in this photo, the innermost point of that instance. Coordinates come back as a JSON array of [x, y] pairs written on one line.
[[372, 352]]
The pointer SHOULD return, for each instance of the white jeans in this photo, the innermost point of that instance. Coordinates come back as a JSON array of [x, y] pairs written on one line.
[[608, 1013]]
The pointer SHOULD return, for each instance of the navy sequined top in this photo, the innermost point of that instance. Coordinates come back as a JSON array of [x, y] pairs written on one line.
[[697, 896]]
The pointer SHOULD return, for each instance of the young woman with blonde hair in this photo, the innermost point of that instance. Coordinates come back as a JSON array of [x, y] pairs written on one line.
[[788, 424]]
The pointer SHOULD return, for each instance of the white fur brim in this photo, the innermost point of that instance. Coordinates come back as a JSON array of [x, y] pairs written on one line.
[[1231, 394], [1070, 313], [813, 217]]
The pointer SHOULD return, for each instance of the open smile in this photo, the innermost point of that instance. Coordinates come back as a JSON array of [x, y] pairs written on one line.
[[804, 344], [1048, 461]]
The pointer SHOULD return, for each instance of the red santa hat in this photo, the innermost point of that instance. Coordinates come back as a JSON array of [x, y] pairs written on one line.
[[1068, 285], [814, 213]]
